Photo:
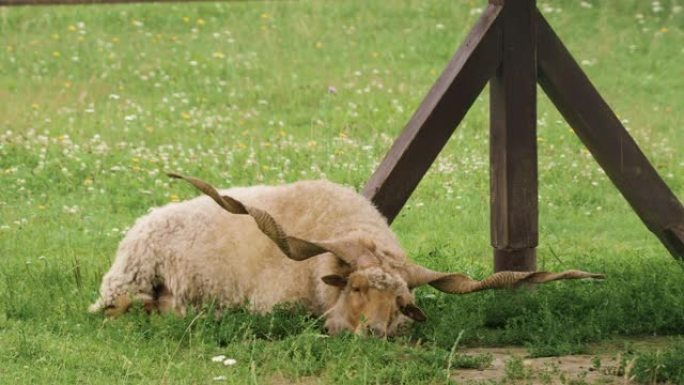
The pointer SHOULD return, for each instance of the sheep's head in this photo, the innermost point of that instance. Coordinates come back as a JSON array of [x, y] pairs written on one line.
[[375, 293], [372, 299]]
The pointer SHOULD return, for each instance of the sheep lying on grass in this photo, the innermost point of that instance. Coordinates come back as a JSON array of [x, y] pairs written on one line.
[[312, 242]]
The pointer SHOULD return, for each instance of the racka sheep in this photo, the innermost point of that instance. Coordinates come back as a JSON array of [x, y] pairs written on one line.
[[312, 242]]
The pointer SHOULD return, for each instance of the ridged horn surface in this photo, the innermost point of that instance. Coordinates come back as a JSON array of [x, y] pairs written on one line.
[[457, 283], [293, 247]]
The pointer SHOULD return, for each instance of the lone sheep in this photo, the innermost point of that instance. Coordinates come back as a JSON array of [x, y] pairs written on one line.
[[342, 260]]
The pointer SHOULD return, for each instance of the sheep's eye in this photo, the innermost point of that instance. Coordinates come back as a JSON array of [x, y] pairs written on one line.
[[356, 289]]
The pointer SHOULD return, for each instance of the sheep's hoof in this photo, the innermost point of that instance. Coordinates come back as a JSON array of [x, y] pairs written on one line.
[[121, 304], [161, 302], [164, 301]]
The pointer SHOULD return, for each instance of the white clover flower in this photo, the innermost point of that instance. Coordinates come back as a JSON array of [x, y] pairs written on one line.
[[656, 6], [219, 358]]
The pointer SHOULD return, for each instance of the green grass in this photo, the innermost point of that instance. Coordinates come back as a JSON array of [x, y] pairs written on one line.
[[661, 365], [97, 102]]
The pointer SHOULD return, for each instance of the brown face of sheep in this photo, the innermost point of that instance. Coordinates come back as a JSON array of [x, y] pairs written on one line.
[[376, 296], [371, 301]]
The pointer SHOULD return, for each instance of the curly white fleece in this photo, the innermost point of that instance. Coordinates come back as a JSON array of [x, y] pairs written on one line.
[[201, 252]]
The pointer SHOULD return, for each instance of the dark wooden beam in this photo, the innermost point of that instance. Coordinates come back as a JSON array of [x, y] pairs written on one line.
[[609, 142], [513, 141], [437, 117]]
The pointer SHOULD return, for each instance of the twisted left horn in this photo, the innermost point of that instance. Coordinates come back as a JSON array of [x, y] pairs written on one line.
[[293, 247], [457, 283]]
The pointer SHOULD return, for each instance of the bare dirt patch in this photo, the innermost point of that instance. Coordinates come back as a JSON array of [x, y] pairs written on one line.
[[513, 365]]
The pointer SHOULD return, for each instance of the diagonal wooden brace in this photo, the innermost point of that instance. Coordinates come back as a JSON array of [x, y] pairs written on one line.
[[608, 141], [437, 117]]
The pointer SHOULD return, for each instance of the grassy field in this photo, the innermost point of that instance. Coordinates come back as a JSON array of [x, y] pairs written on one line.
[[97, 102]]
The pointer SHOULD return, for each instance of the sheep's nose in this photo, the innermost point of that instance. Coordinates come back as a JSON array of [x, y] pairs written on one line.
[[332, 329]]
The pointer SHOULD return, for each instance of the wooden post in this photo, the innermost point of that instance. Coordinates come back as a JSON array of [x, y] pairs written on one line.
[[513, 141]]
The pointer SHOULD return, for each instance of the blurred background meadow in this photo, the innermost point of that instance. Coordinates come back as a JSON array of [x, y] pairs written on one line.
[[98, 102]]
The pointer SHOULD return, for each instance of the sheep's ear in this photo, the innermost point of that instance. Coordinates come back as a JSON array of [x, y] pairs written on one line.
[[412, 311], [334, 280]]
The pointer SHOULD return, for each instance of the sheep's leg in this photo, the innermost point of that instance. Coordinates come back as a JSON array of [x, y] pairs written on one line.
[[132, 277], [118, 292], [120, 306], [161, 302], [124, 302]]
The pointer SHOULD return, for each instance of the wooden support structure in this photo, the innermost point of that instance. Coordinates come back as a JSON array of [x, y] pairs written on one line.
[[514, 47]]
